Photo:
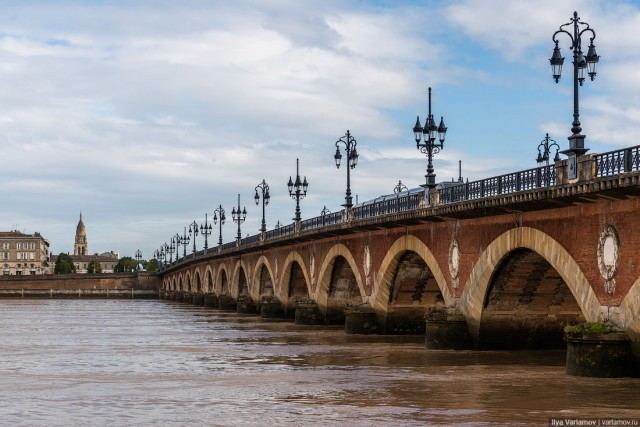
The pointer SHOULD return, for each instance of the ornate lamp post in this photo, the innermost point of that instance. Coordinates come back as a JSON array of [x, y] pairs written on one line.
[[239, 217], [138, 258], [184, 241], [429, 146], [165, 249], [219, 211], [298, 190], [580, 63], [350, 144], [158, 255], [178, 239], [205, 230], [264, 190], [400, 188], [193, 231], [324, 213], [170, 249], [543, 155]]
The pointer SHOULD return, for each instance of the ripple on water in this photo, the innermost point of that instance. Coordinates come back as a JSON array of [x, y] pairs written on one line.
[[122, 363]]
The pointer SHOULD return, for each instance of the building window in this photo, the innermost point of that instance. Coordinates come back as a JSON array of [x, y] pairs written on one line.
[[5, 245], [18, 245]]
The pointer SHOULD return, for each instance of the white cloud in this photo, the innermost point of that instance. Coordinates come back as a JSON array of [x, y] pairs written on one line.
[[145, 116]]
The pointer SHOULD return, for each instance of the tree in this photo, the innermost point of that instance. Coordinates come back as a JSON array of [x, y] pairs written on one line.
[[64, 264], [151, 265], [125, 264], [94, 266]]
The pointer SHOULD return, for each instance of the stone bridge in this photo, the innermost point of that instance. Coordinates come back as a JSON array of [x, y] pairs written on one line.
[[504, 262]]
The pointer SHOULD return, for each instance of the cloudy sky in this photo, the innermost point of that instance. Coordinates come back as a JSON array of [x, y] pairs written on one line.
[[145, 114]]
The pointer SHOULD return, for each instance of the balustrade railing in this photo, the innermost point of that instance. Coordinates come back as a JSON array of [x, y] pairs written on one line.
[[391, 204], [322, 220], [227, 246], [250, 239], [285, 230], [619, 161], [529, 179]]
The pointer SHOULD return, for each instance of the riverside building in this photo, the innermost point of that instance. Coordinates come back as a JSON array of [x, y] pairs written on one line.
[[23, 254]]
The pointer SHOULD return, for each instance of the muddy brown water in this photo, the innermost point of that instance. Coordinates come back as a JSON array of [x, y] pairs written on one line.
[[124, 363]]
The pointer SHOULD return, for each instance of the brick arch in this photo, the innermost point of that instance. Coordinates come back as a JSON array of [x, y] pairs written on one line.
[[255, 289], [187, 282], [222, 270], [380, 293], [181, 280], [234, 288], [209, 280], [324, 274], [197, 281], [286, 276], [476, 287]]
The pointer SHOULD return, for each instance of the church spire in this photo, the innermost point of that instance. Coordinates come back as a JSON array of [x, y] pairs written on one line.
[[80, 245]]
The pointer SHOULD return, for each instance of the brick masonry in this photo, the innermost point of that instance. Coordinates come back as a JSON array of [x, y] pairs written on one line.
[[520, 266]]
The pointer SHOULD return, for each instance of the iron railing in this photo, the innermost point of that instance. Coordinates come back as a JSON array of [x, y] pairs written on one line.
[[386, 205], [529, 179], [285, 230], [322, 220], [617, 162]]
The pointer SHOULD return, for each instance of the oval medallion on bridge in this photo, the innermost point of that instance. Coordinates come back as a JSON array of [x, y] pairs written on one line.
[[454, 261], [609, 257]]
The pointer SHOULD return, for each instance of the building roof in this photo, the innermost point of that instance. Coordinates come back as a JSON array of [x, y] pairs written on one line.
[[19, 234]]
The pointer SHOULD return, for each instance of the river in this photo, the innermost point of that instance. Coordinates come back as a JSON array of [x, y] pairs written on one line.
[[160, 363]]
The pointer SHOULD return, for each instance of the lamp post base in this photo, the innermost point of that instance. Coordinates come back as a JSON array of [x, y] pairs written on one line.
[[576, 145]]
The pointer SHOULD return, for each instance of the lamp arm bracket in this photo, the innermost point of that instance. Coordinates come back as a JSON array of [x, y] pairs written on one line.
[[563, 31]]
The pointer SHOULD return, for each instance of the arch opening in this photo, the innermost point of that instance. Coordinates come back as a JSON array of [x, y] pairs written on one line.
[[266, 284], [527, 305], [343, 291], [297, 286], [413, 290], [198, 283], [209, 282], [296, 289], [224, 283], [243, 287]]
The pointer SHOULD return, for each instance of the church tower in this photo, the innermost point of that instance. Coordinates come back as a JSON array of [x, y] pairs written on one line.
[[80, 246]]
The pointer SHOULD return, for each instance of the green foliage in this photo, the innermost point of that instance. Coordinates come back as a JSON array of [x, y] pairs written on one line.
[[151, 265], [64, 264], [592, 328], [94, 266], [125, 264]]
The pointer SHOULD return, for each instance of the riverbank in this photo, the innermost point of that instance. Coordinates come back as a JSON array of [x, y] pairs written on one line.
[[140, 285]]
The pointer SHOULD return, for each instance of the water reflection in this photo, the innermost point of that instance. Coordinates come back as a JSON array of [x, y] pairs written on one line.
[[121, 363]]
